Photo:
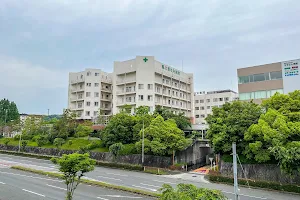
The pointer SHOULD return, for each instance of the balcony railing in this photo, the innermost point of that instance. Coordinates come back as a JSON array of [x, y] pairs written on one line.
[[126, 91], [127, 80], [106, 89], [77, 81]]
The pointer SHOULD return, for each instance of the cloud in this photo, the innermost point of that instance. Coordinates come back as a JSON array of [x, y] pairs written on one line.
[[20, 74]]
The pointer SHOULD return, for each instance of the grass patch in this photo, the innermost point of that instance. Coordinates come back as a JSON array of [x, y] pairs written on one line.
[[95, 183], [255, 183]]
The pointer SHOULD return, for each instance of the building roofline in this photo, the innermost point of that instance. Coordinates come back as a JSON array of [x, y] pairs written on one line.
[[260, 65], [214, 92]]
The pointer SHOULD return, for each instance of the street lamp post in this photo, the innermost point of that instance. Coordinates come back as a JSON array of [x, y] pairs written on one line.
[[5, 121], [143, 144], [20, 142]]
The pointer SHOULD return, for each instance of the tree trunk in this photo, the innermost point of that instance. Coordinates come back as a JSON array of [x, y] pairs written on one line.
[[69, 196]]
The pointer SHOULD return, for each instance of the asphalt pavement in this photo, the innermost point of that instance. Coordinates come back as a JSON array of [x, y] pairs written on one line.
[[139, 180]]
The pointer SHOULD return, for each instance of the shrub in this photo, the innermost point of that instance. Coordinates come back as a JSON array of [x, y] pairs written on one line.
[[254, 183], [70, 142], [115, 149], [189, 192], [120, 165], [41, 140], [58, 142], [93, 145], [1, 136], [24, 144]]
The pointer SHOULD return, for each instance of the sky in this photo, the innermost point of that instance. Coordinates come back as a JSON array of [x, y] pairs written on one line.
[[42, 41]]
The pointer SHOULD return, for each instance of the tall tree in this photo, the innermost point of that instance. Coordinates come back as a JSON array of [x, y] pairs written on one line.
[[277, 133], [119, 129], [162, 137], [8, 112], [229, 123], [181, 120]]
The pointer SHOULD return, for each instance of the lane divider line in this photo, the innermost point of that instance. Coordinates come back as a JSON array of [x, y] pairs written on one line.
[[56, 187], [154, 190], [33, 193]]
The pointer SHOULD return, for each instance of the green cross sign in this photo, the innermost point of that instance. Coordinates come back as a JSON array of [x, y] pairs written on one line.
[[145, 59]]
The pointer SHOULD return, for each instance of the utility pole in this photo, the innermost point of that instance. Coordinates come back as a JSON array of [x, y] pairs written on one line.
[[143, 144], [236, 188], [5, 122]]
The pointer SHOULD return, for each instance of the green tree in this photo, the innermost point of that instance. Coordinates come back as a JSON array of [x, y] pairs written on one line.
[[115, 149], [163, 137], [8, 112], [74, 167], [142, 117], [189, 192], [181, 120], [276, 136], [41, 140], [64, 127], [229, 123], [119, 129], [83, 130], [58, 142]]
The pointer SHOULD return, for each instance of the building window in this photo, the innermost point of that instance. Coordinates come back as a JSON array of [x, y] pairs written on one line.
[[197, 116], [150, 98], [220, 99], [150, 86], [128, 99], [88, 103], [163, 80], [173, 93], [181, 104], [88, 84], [96, 103], [169, 101], [96, 74], [259, 94], [87, 113], [202, 108], [276, 75], [81, 76], [202, 116], [243, 79], [197, 101], [175, 84], [197, 108], [96, 94], [176, 94], [169, 92], [201, 101], [79, 96], [215, 99], [141, 97], [88, 73], [141, 86], [180, 94], [87, 94], [207, 100], [208, 107], [226, 99], [95, 113], [96, 84], [79, 105], [220, 106]]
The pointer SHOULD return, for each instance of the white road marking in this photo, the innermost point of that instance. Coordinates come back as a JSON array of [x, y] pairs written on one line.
[[165, 182], [34, 193], [154, 190], [119, 196], [116, 174], [48, 179], [25, 164], [245, 195], [56, 187], [102, 198], [150, 185], [2, 183], [110, 178]]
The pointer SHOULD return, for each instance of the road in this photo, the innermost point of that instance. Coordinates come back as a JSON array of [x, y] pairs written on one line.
[[147, 182], [19, 185]]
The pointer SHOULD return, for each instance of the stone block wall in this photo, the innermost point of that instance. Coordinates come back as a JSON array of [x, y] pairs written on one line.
[[149, 160], [263, 172]]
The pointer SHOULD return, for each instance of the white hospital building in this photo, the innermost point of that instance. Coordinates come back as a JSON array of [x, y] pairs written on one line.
[[142, 81]]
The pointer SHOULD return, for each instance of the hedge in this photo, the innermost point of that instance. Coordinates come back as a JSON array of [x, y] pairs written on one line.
[[255, 183]]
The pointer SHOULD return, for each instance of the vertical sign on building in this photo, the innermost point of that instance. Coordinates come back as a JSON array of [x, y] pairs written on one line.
[[290, 75]]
